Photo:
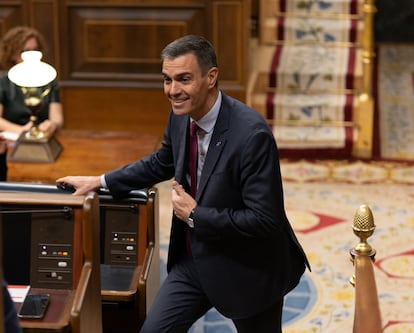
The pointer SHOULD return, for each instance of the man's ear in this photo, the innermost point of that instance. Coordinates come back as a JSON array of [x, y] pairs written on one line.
[[212, 76]]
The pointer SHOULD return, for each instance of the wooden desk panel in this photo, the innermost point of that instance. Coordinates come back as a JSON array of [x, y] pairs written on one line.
[[86, 153], [78, 308], [57, 315]]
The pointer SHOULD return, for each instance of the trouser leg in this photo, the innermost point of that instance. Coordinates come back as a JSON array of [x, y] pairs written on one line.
[[268, 321], [179, 302]]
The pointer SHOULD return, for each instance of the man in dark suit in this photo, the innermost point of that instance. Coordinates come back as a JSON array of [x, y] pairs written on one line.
[[231, 244]]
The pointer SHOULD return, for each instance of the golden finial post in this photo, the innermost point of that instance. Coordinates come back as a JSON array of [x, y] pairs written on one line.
[[367, 314], [363, 227]]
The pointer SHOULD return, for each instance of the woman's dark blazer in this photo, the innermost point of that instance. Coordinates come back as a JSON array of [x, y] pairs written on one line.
[[243, 245]]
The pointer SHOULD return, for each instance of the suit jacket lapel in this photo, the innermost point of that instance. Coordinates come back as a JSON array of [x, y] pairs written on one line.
[[182, 158], [217, 143]]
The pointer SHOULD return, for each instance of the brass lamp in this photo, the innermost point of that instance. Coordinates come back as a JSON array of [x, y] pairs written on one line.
[[33, 76]]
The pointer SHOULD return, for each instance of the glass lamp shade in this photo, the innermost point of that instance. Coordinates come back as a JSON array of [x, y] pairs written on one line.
[[32, 71]]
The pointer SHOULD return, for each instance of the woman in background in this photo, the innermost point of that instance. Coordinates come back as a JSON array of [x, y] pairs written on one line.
[[14, 114]]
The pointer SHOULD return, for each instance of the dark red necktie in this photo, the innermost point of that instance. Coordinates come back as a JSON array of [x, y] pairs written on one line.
[[193, 172], [193, 158]]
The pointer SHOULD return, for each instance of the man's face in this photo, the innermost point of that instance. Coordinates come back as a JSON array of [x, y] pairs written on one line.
[[186, 88]]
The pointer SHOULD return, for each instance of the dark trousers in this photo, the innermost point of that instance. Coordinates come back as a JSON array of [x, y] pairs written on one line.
[[3, 166], [181, 301]]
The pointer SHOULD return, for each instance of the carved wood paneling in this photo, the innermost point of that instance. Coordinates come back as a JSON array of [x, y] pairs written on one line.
[[120, 109], [11, 14], [124, 43], [43, 15], [107, 53], [40, 14], [229, 39]]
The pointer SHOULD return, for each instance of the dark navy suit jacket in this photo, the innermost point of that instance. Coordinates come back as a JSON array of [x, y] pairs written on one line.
[[243, 245]]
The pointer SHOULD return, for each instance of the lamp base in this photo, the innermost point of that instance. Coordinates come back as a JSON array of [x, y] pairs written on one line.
[[27, 149]]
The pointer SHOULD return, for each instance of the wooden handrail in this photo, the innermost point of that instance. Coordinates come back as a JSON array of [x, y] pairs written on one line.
[[367, 316]]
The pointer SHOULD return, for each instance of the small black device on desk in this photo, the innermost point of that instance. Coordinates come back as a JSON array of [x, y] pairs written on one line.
[[34, 306]]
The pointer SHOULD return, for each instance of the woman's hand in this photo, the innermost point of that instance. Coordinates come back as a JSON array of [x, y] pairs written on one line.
[[47, 126], [26, 127], [3, 145]]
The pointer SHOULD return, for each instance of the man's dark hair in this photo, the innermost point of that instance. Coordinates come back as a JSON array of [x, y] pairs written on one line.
[[198, 45]]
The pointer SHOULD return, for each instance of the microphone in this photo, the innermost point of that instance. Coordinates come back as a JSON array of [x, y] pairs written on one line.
[[363, 227]]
